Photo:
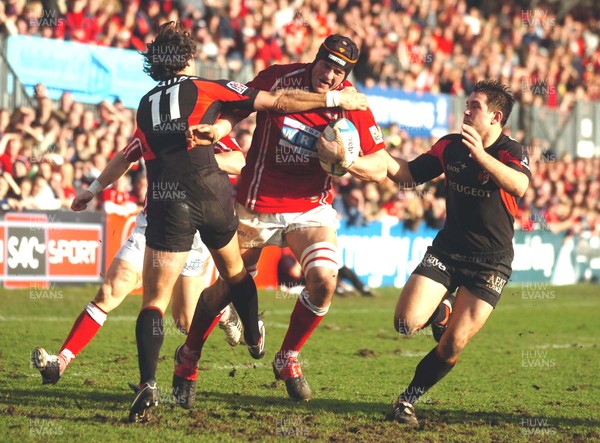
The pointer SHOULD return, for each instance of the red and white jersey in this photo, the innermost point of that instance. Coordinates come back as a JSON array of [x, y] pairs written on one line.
[[282, 172], [226, 144]]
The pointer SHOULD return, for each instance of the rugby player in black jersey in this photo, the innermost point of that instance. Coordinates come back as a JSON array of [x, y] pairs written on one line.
[[485, 173]]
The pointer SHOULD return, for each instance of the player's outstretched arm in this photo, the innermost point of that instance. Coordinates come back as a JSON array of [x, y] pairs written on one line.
[[398, 172], [115, 168], [371, 167], [297, 100]]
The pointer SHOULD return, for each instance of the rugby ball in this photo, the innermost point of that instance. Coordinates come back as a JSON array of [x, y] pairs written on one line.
[[350, 140]]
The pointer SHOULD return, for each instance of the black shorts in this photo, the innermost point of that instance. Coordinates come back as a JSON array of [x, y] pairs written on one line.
[[178, 207], [484, 276]]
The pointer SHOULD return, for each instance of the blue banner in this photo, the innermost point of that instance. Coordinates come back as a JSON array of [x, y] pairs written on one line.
[[383, 253], [386, 253], [91, 73], [419, 114]]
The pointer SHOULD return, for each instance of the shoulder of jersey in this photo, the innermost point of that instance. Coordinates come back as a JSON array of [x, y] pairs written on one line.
[[452, 137], [290, 67], [511, 141]]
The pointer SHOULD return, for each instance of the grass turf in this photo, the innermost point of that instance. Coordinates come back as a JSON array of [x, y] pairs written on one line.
[[530, 375]]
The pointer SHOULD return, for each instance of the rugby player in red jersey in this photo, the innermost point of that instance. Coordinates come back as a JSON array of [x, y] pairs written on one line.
[[284, 196], [125, 274], [187, 192], [485, 173]]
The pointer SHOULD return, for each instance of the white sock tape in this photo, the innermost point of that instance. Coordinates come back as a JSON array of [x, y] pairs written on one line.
[[97, 314], [319, 312]]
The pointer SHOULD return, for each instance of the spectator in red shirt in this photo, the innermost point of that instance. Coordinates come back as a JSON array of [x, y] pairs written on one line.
[[10, 146]]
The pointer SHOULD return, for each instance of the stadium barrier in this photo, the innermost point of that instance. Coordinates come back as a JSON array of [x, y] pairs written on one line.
[[43, 248]]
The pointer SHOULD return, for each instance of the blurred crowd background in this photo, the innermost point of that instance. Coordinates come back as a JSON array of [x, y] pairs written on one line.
[[51, 151]]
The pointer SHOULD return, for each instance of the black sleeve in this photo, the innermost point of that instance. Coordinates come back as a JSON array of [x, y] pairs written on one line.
[[425, 167], [237, 96]]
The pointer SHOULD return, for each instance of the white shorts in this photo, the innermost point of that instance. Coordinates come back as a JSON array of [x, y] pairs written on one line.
[[132, 251], [259, 229]]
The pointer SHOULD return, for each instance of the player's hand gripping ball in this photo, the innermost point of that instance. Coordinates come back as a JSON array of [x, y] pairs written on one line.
[[338, 147]]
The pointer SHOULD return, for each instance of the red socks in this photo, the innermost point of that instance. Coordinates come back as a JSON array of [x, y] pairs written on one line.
[[303, 321], [84, 329]]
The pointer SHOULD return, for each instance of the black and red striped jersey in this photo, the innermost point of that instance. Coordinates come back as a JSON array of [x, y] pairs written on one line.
[[165, 113], [480, 215]]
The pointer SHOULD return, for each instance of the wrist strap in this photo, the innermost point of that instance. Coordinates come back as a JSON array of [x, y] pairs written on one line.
[[95, 187], [332, 98]]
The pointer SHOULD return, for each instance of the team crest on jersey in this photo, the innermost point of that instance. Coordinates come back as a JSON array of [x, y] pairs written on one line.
[[237, 87], [483, 177], [376, 134]]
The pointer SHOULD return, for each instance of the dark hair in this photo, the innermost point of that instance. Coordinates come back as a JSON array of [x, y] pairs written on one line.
[[499, 97], [169, 52]]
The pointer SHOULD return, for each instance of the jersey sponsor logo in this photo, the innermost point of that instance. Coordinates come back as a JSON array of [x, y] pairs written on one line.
[[376, 134], [525, 162], [237, 87], [456, 167], [469, 190], [298, 143], [495, 283]]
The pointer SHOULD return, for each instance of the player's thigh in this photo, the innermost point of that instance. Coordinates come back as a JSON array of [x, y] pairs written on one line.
[[419, 298], [469, 314], [228, 261], [120, 280], [161, 270]]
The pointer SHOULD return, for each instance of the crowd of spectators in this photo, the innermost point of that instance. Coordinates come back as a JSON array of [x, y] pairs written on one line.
[[50, 152], [546, 55]]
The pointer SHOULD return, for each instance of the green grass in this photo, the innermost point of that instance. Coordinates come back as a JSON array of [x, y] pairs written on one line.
[[530, 375]]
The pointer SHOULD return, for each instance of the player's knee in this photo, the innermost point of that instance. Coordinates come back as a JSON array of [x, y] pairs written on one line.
[[450, 346], [106, 295], [116, 287], [321, 285]]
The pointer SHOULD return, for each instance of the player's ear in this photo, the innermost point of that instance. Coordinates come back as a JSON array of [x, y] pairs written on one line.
[[497, 117]]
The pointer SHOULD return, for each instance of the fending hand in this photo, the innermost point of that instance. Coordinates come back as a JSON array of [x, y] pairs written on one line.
[[203, 135], [81, 201], [352, 100]]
